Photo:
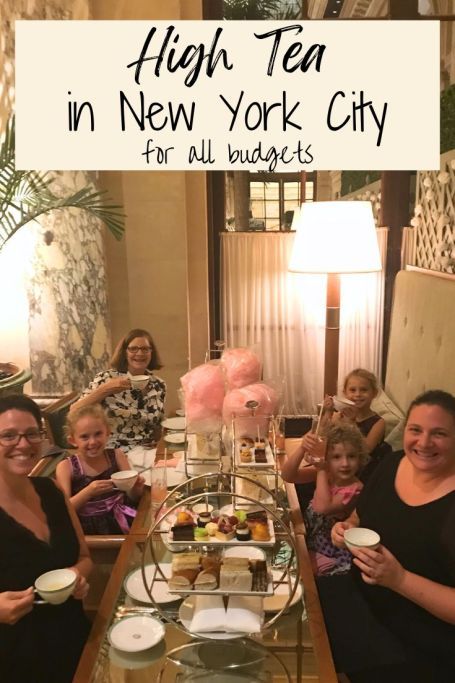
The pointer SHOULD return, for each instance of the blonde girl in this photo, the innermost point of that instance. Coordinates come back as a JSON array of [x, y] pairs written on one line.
[[361, 387], [335, 496], [85, 476]]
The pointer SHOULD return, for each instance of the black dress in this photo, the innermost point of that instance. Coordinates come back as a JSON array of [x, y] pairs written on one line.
[[372, 626], [45, 645]]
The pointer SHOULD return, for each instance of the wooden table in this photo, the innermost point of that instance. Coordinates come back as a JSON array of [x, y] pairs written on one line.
[[299, 646]]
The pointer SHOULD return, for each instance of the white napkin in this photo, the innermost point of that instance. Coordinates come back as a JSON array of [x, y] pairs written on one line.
[[244, 614], [209, 614], [141, 457]]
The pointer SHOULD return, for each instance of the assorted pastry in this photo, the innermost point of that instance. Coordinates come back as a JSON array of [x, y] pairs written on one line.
[[252, 451], [193, 571], [209, 526]]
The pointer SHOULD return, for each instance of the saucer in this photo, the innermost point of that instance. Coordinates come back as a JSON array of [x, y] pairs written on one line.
[[134, 585], [276, 602], [136, 633], [175, 437], [178, 423], [136, 660]]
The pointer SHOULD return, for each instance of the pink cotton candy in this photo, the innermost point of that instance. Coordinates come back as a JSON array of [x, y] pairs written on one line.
[[234, 403], [204, 395], [242, 367]]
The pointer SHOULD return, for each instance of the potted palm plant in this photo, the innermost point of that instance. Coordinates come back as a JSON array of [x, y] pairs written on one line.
[[27, 195]]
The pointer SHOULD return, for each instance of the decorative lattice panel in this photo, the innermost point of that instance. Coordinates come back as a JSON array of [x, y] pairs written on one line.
[[434, 217]]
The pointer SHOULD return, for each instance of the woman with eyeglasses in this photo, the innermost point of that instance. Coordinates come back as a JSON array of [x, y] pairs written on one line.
[[39, 532], [134, 415]]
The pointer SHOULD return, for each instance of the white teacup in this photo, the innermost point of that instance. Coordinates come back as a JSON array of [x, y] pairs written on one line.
[[124, 480], [138, 381], [359, 537], [341, 403], [56, 586]]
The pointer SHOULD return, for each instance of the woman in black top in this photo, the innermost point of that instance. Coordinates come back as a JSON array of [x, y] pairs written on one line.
[[39, 531], [393, 618]]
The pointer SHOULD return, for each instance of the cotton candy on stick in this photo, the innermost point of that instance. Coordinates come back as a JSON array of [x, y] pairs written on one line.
[[242, 367], [204, 394], [235, 403]]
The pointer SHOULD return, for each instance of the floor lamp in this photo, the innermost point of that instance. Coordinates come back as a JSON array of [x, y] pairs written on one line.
[[334, 238]]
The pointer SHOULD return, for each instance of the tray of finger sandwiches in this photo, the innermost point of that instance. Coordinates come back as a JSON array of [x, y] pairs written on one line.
[[215, 573], [253, 453], [214, 528]]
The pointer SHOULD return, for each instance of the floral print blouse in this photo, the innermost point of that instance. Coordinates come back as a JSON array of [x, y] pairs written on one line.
[[133, 415]]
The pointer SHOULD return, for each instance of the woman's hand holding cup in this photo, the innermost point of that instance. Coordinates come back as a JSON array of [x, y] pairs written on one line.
[[81, 587], [15, 604], [115, 385]]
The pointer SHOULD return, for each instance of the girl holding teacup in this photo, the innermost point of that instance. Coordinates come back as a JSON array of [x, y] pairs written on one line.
[[400, 596], [39, 532], [85, 475], [135, 408]]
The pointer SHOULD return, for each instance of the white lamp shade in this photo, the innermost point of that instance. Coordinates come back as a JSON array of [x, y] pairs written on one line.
[[335, 237]]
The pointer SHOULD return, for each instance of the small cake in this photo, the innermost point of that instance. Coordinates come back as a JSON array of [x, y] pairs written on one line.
[[241, 515], [246, 455], [200, 533], [183, 532], [260, 578], [260, 456], [260, 532], [242, 532], [203, 519], [184, 517], [211, 528], [246, 442], [259, 447], [225, 535], [256, 516]]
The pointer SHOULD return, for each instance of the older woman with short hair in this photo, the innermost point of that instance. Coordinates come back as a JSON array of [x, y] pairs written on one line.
[[134, 415]]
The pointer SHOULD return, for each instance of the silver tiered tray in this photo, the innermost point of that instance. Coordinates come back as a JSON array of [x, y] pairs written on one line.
[[284, 576]]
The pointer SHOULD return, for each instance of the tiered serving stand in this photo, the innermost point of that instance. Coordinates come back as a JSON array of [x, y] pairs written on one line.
[[217, 493]]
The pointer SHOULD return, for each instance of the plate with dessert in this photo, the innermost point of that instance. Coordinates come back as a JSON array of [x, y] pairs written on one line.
[[215, 574], [253, 453], [240, 527]]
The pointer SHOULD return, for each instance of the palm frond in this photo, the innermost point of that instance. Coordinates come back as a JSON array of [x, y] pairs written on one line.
[[27, 195], [262, 9]]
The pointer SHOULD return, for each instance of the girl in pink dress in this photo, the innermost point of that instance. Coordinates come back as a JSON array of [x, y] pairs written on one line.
[[85, 476], [335, 496], [336, 492]]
